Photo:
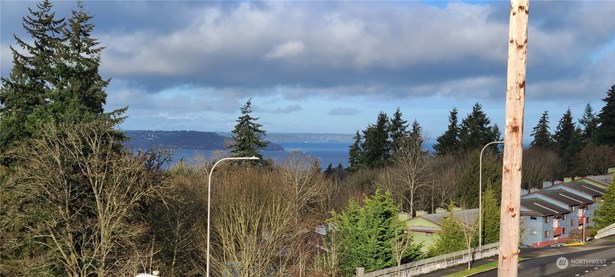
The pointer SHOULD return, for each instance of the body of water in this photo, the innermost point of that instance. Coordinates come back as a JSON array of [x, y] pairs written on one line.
[[328, 152]]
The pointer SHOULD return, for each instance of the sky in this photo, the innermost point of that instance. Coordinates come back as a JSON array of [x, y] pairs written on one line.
[[331, 67]]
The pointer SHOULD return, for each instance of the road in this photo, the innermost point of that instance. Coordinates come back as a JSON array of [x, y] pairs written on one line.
[[596, 258]]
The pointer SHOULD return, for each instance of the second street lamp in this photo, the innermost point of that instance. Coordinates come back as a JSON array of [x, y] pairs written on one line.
[[480, 193], [209, 198]]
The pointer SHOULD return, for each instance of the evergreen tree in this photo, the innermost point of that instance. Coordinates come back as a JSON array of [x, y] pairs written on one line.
[[367, 235], [248, 135], [449, 141], [589, 121], [541, 133], [416, 135], [376, 147], [605, 214], [26, 90], [467, 188], [55, 80], [491, 216], [567, 139], [82, 94], [605, 133], [355, 153], [451, 238], [398, 130], [475, 130]]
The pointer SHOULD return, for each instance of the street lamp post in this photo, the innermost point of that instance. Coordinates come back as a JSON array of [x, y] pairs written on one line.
[[209, 198], [480, 193]]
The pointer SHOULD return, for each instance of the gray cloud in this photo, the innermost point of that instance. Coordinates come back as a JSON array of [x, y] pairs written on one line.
[[287, 109], [343, 111], [386, 50]]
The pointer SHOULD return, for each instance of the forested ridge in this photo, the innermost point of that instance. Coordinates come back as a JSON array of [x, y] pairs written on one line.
[[193, 140]]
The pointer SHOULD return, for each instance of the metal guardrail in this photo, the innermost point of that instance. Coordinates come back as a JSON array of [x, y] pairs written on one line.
[[606, 231], [434, 263]]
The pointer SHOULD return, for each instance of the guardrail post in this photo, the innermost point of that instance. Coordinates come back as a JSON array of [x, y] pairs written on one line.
[[360, 272]]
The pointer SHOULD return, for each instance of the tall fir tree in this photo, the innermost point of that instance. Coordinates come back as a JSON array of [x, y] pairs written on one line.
[[605, 133], [398, 129], [54, 79], [355, 154], [541, 133], [376, 147], [475, 130], [248, 135], [416, 135], [589, 121], [25, 92], [567, 140], [448, 142]]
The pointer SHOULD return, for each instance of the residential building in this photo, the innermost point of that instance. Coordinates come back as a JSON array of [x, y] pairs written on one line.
[[561, 211], [426, 228]]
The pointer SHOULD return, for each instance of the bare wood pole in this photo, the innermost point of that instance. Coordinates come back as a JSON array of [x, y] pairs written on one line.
[[513, 139]]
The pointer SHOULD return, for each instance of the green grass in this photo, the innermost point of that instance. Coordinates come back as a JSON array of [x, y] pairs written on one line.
[[478, 269]]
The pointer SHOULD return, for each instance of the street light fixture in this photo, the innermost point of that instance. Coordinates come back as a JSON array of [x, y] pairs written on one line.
[[480, 193], [209, 198]]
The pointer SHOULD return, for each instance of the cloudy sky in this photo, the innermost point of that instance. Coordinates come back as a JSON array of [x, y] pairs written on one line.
[[332, 66]]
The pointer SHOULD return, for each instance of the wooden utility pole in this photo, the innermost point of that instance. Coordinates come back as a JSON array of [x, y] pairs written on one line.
[[513, 139]]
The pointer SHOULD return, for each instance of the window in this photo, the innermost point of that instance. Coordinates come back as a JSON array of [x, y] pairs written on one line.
[[547, 234], [429, 234], [572, 222], [564, 216], [532, 218], [572, 208], [587, 220], [564, 230], [546, 219]]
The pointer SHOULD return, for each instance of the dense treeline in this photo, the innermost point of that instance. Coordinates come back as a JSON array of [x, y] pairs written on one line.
[[74, 202]]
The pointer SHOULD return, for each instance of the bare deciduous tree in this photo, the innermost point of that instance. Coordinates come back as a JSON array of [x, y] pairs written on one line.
[[539, 165], [253, 224], [594, 159], [411, 169], [301, 174], [468, 222], [446, 170], [95, 192]]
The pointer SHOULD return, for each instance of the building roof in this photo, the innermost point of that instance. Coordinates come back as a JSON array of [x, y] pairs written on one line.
[[465, 216], [590, 189], [567, 197], [604, 179], [541, 207]]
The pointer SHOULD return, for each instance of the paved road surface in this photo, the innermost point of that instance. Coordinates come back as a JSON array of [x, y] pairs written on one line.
[[597, 258], [542, 262]]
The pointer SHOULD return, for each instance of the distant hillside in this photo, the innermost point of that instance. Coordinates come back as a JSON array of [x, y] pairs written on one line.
[[305, 137], [193, 140]]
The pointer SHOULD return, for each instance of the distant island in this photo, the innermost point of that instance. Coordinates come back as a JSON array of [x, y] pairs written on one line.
[[305, 137], [190, 140]]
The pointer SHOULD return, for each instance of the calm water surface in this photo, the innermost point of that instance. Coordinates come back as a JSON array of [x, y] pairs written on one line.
[[328, 152]]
